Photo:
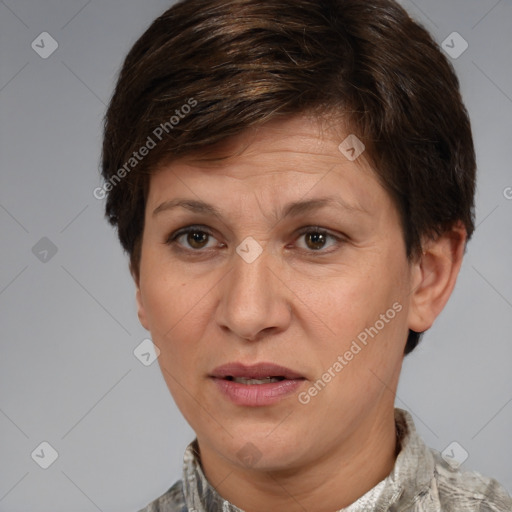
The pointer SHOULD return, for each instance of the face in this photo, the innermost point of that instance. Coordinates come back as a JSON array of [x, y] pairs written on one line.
[[284, 260]]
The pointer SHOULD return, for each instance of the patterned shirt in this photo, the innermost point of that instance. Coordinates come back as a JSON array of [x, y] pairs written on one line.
[[421, 481]]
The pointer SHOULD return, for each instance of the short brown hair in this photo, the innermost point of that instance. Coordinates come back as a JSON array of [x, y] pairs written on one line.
[[241, 63]]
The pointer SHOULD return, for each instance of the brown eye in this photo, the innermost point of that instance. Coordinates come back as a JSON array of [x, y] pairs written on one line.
[[192, 238], [197, 239], [315, 240]]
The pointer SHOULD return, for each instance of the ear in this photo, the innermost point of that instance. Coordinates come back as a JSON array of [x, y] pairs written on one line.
[[141, 312], [434, 275]]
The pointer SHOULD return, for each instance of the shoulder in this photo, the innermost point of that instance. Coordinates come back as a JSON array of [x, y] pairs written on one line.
[[468, 491], [172, 501]]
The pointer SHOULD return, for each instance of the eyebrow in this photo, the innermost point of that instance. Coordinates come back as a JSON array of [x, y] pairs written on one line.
[[292, 209]]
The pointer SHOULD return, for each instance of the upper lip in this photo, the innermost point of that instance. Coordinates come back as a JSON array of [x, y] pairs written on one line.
[[255, 371]]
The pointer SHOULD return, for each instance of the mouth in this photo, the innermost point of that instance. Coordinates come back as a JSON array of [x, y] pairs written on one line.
[[262, 373], [258, 385], [251, 382]]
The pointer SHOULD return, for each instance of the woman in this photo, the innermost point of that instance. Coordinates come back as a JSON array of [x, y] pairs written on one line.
[[294, 186]]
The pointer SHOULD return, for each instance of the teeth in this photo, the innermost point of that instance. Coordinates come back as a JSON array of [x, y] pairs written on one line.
[[267, 380]]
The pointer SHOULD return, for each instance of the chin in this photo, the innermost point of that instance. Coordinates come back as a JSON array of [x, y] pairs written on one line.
[[254, 448]]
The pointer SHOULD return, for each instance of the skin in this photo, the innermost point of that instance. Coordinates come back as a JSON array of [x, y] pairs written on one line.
[[300, 304]]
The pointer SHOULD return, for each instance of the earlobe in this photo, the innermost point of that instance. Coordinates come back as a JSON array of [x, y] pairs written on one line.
[[434, 276], [141, 313]]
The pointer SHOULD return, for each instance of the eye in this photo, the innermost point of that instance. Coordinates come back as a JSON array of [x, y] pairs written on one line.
[[316, 238], [196, 238], [191, 237]]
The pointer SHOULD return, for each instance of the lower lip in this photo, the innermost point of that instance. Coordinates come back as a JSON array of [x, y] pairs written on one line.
[[254, 395]]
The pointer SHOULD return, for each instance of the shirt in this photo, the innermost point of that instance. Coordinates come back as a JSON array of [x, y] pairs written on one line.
[[421, 481]]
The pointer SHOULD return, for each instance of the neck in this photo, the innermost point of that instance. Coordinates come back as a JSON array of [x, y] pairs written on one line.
[[329, 482]]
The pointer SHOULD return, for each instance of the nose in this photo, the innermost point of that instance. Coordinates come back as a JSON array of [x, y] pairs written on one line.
[[254, 302]]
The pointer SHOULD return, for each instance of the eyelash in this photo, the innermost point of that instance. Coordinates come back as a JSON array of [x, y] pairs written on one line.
[[172, 239]]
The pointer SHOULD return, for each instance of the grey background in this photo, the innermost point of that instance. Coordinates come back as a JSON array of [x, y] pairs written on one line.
[[68, 374]]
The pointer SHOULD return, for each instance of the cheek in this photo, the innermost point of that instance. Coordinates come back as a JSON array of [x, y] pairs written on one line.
[[173, 314], [350, 303], [366, 315], [170, 306], [360, 361]]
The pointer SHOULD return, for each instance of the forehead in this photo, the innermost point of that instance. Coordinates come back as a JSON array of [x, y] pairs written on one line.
[[295, 139], [278, 162]]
